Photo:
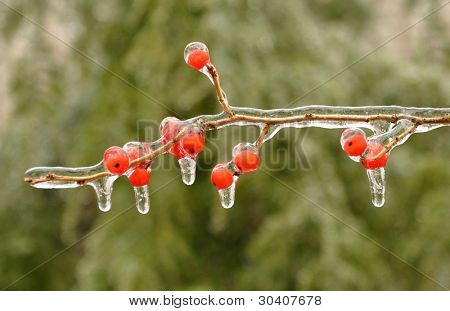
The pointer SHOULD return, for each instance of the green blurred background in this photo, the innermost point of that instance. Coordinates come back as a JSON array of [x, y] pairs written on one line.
[[57, 107]]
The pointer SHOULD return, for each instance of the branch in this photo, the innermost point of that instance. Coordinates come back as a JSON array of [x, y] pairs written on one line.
[[263, 133], [329, 117], [423, 119]]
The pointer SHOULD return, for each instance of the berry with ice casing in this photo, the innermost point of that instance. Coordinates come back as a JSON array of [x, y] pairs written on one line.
[[135, 150], [116, 160], [194, 142], [221, 176], [169, 129], [196, 55], [353, 141], [246, 157], [139, 177], [370, 161]]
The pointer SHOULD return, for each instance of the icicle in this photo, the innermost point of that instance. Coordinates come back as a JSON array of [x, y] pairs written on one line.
[[377, 185], [187, 167], [142, 199], [227, 195], [103, 188]]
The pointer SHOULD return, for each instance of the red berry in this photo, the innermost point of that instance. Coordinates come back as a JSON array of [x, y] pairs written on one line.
[[246, 161], [221, 177], [116, 160], [193, 143], [136, 150], [170, 127], [369, 161], [353, 142], [133, 153], [177, 150], [139, 177], [198, 59]]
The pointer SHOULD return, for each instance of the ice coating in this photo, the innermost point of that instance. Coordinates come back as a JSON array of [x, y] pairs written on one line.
[[59, 183], [227, 195], [329, 117], [187, 168], [103, 189], [142, 199], [392, 126], [377, 181]]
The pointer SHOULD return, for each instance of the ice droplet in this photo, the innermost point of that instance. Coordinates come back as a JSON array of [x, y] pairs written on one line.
[[187, 166], [227, 196], [377, 183], [103, 188], [142, 199]]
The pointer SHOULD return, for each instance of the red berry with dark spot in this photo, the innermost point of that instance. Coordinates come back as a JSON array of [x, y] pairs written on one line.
[[139, 177], [246, 158], [196, 55], [353, 142], [370, 160], [116, 160], [193, 143], [221, 177]]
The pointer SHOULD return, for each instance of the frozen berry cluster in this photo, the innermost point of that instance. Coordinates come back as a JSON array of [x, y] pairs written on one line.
[[362, 149]]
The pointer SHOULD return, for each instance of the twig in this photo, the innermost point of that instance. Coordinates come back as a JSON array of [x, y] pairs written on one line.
[[262, 135], [306, 116], [444, 119], [55, 177], [220, 93], [396, 139]]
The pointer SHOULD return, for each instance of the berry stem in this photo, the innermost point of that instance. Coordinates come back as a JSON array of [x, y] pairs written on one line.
[[220, 94], [263, 133], [396, 139]]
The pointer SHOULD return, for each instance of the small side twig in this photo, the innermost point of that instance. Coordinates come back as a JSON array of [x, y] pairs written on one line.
[[395, 140], [262, 135], [55, 177], [220, 94]]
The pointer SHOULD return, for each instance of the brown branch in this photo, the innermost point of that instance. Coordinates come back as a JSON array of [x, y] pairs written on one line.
[[210, 125], [162, 149], [332, 117], [220, 94], [395, 140], [262, 135], [55, 177], [85, 179]]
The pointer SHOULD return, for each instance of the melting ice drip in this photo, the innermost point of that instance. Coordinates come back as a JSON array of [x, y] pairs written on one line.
[[377, 183], [53, 177]]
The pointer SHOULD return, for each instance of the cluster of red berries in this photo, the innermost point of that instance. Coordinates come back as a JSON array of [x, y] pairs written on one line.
[[196, 55], [245, 160], [355, 144], [192, 142], [117, 161]]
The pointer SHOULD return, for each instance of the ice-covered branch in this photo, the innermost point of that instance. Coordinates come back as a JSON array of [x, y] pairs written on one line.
[[390, 126]]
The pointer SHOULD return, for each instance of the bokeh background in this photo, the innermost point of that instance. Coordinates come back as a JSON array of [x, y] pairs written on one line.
[[59, 107]]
